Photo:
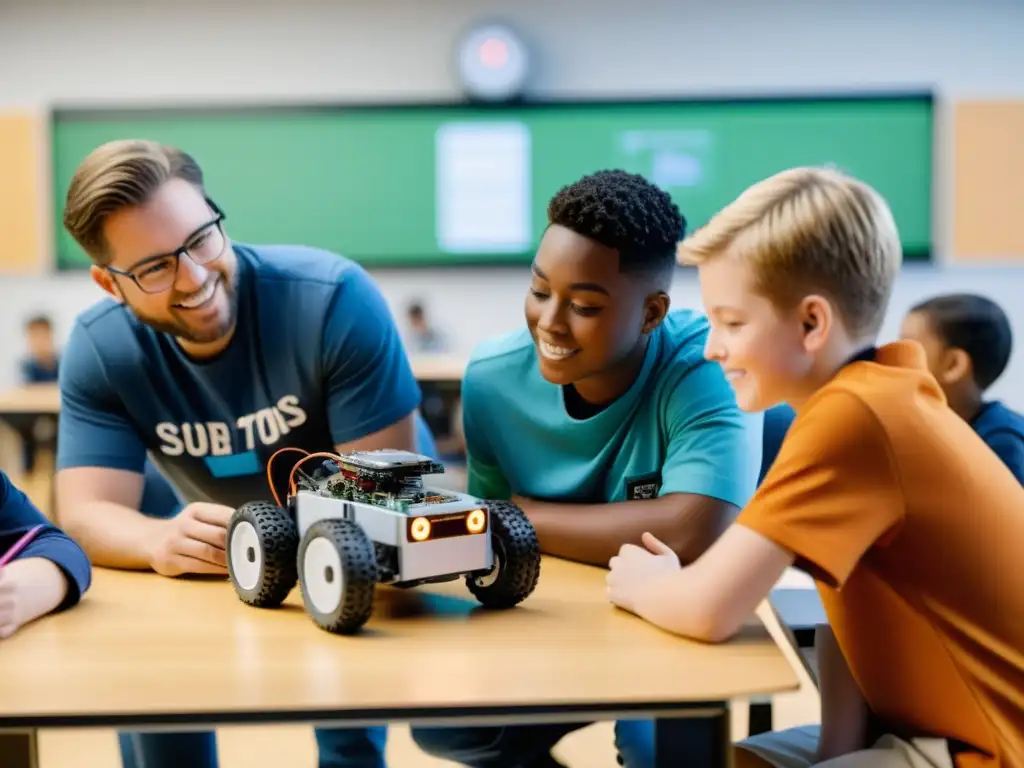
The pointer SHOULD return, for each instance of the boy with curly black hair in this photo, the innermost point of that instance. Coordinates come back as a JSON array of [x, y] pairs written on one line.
[[601, 418]]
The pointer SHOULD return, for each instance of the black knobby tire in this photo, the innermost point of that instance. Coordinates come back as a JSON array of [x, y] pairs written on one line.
[[263, 536], [517, 559], [357, 566]]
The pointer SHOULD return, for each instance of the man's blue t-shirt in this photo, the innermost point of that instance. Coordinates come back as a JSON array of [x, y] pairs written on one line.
[[1003, 430], [677, 429], [315, 360]]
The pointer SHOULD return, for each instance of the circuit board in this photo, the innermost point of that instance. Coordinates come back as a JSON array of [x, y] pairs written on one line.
[[393, 483], [390, 463]]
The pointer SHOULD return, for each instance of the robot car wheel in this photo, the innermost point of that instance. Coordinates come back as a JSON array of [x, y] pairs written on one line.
[[516, 559], [337, 574], [262, 541]]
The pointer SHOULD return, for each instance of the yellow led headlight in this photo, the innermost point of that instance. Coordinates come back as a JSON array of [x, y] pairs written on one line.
[[420, 529], [476, 521]]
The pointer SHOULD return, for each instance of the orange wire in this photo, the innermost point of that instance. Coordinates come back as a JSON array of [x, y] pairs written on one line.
[[270, 477], [325, 454]]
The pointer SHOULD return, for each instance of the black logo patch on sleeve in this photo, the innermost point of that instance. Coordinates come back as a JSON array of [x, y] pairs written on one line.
[[643, 486]]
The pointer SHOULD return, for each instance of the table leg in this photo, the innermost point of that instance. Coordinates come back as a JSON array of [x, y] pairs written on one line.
[[693, 742], [18, 749], [760, 717]]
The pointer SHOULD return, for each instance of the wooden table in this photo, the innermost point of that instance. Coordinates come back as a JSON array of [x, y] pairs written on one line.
[[143, 651]]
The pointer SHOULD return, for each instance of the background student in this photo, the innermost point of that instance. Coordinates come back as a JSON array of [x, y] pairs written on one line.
[[968, 341]]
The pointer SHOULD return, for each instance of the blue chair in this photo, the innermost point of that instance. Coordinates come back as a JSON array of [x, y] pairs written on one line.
[[776, 425]]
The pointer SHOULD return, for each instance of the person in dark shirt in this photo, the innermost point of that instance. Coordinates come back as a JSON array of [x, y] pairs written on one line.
[[206, 357], [51, 574], [39, 366], [41, 363], [968, 341]]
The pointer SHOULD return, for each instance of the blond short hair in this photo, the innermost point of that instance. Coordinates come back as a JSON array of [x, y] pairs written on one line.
[[810, 230], [117, 175]]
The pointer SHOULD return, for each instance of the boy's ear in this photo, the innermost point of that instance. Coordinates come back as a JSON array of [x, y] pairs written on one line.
[[105, 280], [816, 320], [954, 366], [655, 308]]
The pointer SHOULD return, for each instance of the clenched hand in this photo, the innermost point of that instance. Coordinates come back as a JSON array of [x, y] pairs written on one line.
[[194, 541]]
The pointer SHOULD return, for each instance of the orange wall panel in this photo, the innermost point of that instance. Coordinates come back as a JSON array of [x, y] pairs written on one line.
[[988, 157], [22, 198]]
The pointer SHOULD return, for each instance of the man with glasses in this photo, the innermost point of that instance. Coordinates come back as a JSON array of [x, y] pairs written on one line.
[[210, 356]]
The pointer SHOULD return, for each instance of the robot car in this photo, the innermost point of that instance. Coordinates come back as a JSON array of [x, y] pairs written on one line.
[[352, 521]]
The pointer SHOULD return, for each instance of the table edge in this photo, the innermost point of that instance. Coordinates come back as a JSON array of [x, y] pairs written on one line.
[[369, 716]]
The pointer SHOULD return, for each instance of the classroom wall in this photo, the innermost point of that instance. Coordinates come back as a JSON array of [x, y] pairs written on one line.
[[109, 52]]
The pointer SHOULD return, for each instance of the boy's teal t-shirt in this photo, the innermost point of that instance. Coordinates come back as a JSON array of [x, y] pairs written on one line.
[[678, 429]]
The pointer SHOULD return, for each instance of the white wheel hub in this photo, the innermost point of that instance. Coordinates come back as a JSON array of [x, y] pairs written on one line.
[[322, 575], [492, 576], [246, 555]]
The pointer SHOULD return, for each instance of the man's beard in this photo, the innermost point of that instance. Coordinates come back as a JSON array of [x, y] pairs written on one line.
[[179, 327]]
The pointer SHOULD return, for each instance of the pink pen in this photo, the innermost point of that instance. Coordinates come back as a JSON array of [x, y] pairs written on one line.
[[19, 545]]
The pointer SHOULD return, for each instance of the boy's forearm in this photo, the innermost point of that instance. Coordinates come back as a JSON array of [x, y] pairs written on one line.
[[42, 587], [593, 533], [709, 599], [113, 535], [676, 603], [844, 712]]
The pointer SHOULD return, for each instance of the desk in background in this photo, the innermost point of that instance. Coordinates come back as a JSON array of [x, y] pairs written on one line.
[[440, 379], [21, 406], [146, 651], [44, 399], [30, 400], [439, 369], [24, 410]]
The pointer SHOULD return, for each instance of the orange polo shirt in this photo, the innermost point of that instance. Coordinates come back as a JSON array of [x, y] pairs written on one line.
[[914, 531]]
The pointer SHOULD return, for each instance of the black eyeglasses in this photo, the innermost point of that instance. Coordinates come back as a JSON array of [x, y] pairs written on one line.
[[157, 273]]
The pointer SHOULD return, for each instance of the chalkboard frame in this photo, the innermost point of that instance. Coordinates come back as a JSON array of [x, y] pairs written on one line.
[[184, 108]]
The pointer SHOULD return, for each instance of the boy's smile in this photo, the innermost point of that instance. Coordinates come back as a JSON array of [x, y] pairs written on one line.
[[553, 352]]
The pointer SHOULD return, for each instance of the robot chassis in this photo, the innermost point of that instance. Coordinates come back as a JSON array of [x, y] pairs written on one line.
[[366, 518]]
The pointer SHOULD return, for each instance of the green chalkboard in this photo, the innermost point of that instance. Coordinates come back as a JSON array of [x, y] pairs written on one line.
[[434, 185]]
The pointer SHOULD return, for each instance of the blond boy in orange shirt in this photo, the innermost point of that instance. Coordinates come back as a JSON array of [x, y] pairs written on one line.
[[910, 526]]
